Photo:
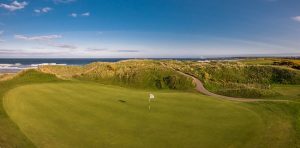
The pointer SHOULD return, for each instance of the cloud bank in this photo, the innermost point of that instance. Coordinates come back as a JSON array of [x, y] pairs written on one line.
[[37, 38], [296, 18], [13, 6]]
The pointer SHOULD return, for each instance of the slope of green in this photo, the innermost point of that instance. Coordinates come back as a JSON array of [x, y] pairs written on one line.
[[10, 135], [91, 115], [291, 92], [282, 122], [131, 73]]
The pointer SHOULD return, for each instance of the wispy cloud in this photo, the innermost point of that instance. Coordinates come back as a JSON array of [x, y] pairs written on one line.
[[13, 6], [96, 49], [73, 15], [59, 45], [86, 14], [43, 10], [127, 51], [25, 53], [37, 38], [296, 18], [47, 39], [63, 1]]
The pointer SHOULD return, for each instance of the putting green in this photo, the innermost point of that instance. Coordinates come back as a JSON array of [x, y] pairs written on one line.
[[92, 115]]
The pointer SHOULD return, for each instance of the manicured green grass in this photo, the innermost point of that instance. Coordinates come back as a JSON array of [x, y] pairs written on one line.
[[10, 134], [291, 92], [45, 111], [91, 115]]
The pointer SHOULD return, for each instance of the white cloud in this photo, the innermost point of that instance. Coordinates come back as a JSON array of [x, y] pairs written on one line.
[[37, 38], [73, 15], [46, 9], [296, 18], [86, 14], [43, 10], [37, 10], [15, 5]]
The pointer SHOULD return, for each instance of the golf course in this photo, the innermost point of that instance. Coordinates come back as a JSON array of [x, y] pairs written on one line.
[[107, 105]]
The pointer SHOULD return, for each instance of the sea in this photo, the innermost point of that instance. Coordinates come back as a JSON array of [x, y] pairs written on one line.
[[16, 65]]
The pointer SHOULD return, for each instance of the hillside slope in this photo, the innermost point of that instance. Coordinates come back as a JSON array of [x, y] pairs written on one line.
[[237, 79], [132, 73]]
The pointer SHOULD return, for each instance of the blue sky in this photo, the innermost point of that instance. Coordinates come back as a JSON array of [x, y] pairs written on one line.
[[148, 28]]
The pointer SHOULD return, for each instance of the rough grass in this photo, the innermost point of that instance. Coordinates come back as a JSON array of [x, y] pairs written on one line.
[[4, 77], [131, 73], [238, 79]]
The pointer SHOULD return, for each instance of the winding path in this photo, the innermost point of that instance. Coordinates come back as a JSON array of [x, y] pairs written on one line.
[[200, 88]]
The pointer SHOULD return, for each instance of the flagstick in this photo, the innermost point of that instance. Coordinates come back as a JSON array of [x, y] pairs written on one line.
[[149, 105]]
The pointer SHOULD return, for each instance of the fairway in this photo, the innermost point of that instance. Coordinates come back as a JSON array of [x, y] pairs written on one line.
[[75, 114]]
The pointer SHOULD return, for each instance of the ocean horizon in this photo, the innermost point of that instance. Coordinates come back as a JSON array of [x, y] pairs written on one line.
[[13, 65]]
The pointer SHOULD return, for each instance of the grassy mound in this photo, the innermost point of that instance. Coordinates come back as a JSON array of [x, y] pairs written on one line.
[[137, 74], [11, 136], [239, 80]]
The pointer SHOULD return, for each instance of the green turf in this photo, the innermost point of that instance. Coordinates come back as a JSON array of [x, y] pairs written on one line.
[[290, 92], [91, 115], [48, 112], [10, 134]]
